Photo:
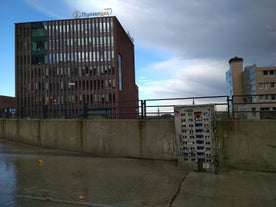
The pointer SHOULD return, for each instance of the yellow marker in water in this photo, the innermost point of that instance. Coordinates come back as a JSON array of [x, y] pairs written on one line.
[[81, 197], [40, 162]]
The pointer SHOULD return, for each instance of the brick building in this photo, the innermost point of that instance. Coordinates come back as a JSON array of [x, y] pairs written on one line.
[[7, 106], [75, 68]]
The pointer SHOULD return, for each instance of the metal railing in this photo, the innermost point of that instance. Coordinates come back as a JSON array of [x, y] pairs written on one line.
[[237, 107], [164, 108], [262, 106]]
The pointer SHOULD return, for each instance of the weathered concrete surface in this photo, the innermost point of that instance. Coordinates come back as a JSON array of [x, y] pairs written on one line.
[[244, 144], [131, 138], [152, 139], [28, 131], [248, 144], [32, 176], [65, 135], [232, 188]]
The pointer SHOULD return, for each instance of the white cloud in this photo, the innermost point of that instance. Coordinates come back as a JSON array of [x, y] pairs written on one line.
[[200, 35], [50, 8], [183, 78], [195, 29]]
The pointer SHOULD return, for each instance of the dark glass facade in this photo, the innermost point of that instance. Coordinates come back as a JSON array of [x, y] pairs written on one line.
[[75, 68]]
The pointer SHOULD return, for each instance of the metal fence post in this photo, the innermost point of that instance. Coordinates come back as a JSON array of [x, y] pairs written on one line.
[[45, 112], [233, 108], [228, 106], [142, 108], [85, 110], [145, 109]]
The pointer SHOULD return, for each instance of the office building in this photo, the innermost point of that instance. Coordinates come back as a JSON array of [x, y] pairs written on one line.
[[75, 68], [253, 90]]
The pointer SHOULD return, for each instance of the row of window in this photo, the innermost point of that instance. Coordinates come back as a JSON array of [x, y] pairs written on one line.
[[54, 28], [92, 98], [267, 97], [268, 109], [196, 114], [39, 45], [195, 160], [198, 136], [200, 142], [266, 85], [269, 72], [95, 24], [202, 120], [95, 56], [193, 154], [70, 86], [102, 55], [88, 41], [74, 99], [196, 125], [68, 71]]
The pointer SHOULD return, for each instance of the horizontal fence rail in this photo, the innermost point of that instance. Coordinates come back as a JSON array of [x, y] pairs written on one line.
[[262, 106], [164, 108], [236, 106]]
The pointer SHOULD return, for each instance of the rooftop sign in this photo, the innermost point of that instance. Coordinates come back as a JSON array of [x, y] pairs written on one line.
[[78, 14]]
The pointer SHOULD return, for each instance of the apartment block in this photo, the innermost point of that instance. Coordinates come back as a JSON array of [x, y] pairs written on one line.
[[253, 90]]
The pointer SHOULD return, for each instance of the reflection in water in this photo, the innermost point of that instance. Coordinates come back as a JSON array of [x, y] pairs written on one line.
[[31, 177], [7, 182]]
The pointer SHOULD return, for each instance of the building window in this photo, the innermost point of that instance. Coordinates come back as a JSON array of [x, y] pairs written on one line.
[[271, 72], [120, 72], [260, 85], [253, 112], [264, 109], [265, 73], [261, 97], [272, 84]]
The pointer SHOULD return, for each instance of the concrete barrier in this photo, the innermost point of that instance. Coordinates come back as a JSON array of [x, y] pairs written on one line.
[[61, 134], [28, 131], [10, 129], [132, 138], [153, 139], [248, 144], [244, 144], [158, 139], [111, 137], [1, 127]]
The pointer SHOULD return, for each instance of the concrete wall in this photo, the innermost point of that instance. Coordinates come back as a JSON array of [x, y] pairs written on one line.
[[65, 134], [129, 138], [28, 132], [244, 144], [248, 144], [153, 139], [9, 129]]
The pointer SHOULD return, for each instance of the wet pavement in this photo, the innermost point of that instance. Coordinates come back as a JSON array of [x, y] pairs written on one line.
[[228, 189], [32, 176]]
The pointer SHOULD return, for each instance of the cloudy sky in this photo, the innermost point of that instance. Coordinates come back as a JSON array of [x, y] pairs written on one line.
[[182, 47]]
